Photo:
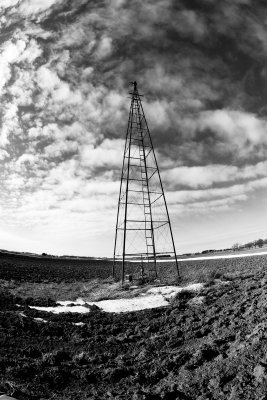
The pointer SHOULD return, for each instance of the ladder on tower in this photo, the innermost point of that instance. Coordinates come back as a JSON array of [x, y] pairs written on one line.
[[150, 244]]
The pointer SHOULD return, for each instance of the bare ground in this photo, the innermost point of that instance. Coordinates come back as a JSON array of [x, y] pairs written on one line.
[[210, 349]]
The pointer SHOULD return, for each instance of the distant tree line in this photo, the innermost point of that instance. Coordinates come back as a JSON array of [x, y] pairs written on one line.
[[236, 246], [256, 243]]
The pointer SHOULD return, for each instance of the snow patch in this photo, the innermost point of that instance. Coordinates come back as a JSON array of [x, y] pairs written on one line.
[[40, 320], [134, 304], [171, 291], [262, 253], [153, 298], [22, 314], [63, 309], [213, 257]]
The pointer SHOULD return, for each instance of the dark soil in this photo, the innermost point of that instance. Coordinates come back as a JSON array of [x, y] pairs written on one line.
[[215, 350], [19, 268], [38, 269]]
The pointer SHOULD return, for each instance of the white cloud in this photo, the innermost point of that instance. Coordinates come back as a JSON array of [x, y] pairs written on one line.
[[157, 114], [10, 53], [62, 139], [3, 154], [235, 124], [58, 149], [46, 78], [78, 33], [27, 158], [29, 7], [56, 94], [23, 87], [10, 124], [108, 154], [69, 181], [187, 196], [225, 135], [31, 52], [243, 130], [39, 131], [104, 48], [15, 182], [36, 31], [205, 176], [64, 94], [207, 206], [8, 3], [61, 61]]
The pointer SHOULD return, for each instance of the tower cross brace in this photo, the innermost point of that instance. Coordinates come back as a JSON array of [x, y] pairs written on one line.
[[143, 228]]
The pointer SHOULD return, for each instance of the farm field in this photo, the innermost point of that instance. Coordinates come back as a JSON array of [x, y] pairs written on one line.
[[205, 345]]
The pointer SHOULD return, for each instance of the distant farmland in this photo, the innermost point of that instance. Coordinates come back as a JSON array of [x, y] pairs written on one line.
[[44, 269]]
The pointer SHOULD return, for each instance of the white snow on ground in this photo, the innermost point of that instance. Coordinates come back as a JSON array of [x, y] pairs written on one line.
[[40, 320], [134, 304], [58, 310], [262, 253], [116, 305], [22, 314], [79, 302], [223, 256], [154, 297], [171, 291]]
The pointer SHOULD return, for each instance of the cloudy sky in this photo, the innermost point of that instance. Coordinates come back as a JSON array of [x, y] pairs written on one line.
[[64, 72]]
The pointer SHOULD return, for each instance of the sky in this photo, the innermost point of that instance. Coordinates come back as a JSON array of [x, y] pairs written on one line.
[[65, 68]]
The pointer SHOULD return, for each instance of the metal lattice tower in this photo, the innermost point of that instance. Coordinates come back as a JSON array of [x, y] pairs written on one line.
[[143, 229]]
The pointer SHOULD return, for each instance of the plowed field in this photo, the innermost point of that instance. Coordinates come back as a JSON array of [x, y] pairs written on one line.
[[214, 349]]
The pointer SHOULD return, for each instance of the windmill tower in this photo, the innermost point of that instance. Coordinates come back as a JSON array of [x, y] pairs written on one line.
[[143, 229]]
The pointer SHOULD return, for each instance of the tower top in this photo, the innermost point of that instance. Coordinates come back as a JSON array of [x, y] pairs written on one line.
[[134, 83]]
